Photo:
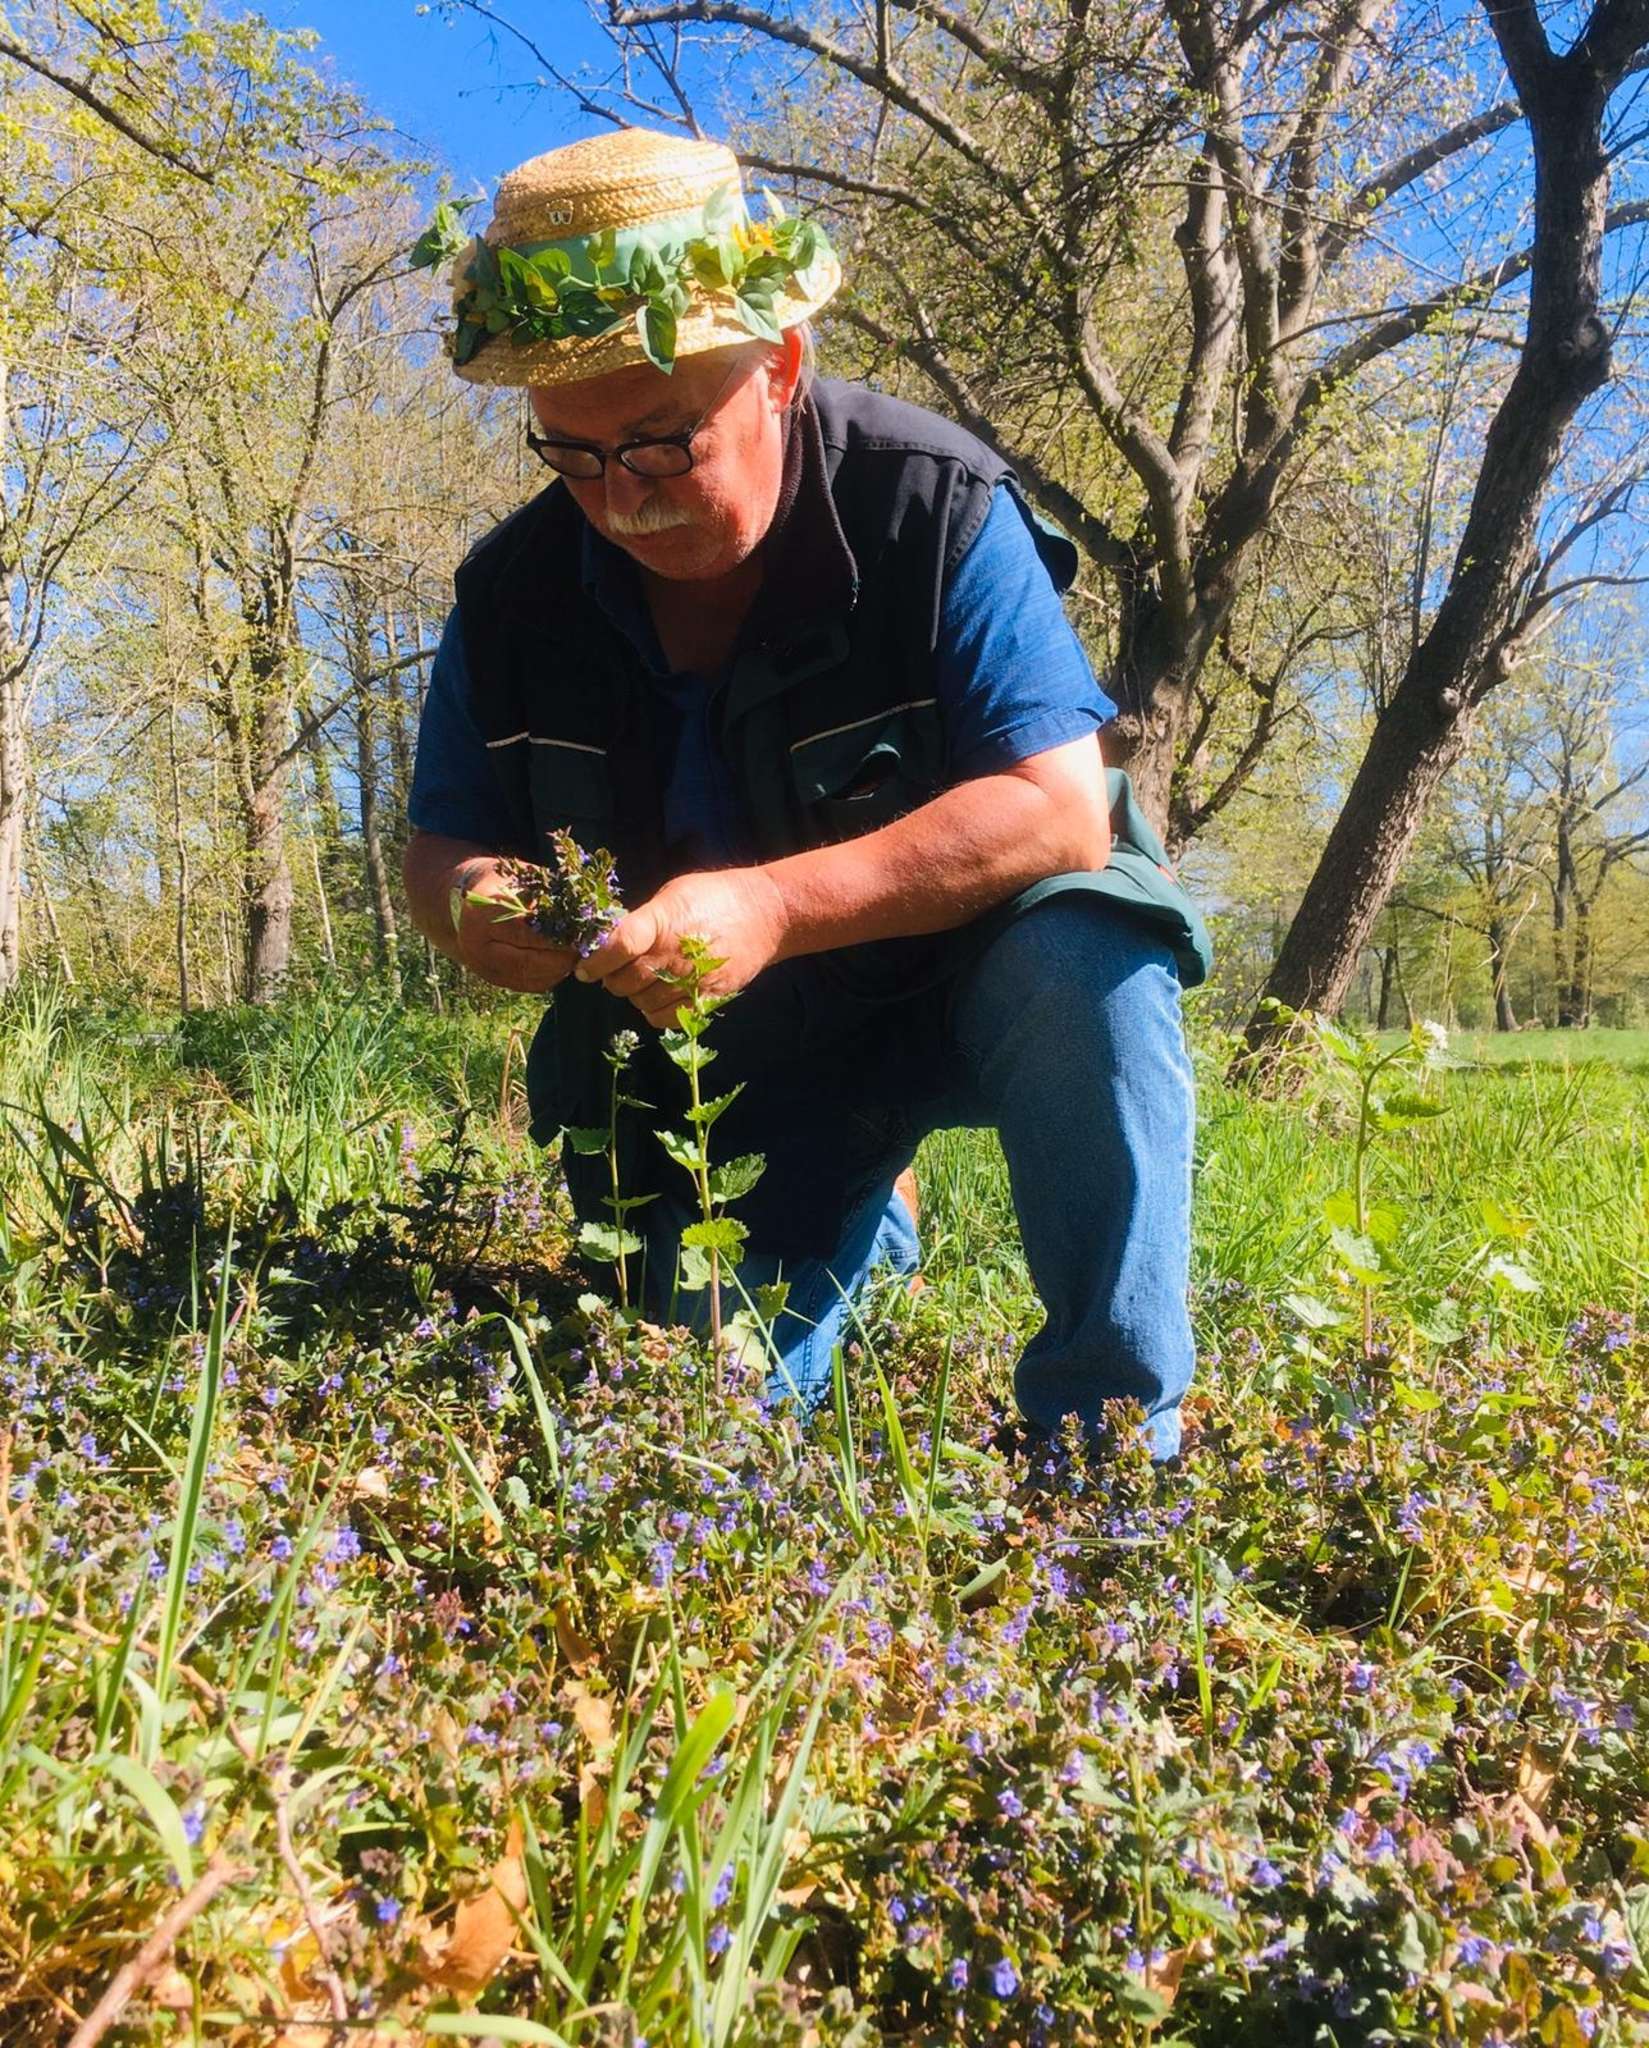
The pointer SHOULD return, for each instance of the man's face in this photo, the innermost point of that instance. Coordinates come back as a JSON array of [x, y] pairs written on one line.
[[704, 524]]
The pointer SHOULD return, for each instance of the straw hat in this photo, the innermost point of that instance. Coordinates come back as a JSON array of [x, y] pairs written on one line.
[[631, 247]]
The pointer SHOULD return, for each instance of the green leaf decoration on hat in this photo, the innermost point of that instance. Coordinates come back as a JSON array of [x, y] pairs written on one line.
[[443, 239], [533, 295]]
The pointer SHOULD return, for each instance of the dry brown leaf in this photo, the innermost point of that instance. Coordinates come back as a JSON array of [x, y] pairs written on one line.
[[593, 1713], [576, 1648], [1534, 1780], [370, 1483], [1164, 1978], [797, 1842], [1530, 1579], [447, 1735], [1517, 1808], [592, 1797], [484, 1927]]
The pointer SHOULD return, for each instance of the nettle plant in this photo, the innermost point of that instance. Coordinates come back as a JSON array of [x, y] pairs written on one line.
[[584, 287], [573, 900], [716, 1237], [1382, 1088]]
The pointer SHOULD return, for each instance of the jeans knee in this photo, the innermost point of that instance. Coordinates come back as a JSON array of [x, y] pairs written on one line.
[[1078, 972]]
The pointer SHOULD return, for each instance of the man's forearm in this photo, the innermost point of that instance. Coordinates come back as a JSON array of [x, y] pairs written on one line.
[[970, 848]]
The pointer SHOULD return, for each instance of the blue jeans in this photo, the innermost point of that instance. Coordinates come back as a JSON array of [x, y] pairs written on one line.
[[1063, 1036]]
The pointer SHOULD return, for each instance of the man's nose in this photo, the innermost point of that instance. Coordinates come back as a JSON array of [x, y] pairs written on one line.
[[625, 490]]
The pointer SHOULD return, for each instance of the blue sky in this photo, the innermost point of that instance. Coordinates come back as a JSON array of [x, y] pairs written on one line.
[[458, 88]]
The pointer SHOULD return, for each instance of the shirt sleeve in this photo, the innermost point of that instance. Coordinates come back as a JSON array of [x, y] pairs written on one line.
[[455, 789], [1011, 676]]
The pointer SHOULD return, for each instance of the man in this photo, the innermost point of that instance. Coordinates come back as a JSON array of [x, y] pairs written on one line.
[[794, 652]]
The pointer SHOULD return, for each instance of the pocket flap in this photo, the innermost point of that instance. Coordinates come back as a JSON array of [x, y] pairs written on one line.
[[569, 782], [857, 759]]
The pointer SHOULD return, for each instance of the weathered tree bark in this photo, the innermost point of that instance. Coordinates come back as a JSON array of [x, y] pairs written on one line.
[[1388, 966], [1579, 1003], [1473, 643], [13, 767], [1565, 899], [180, 855], [13, 786], [268, 875], [386, 936], [1505, 1018]]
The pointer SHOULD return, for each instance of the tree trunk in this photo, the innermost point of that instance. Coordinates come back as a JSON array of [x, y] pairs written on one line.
[[385, 933], [13, 793], [180, 853], [1565, 900], [268, 892], [1388, 978], [1499, 954], [268, 877], [1470, 647], [1580, 978]]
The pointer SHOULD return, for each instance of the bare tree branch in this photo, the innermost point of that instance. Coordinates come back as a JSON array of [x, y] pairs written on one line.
[[153, 145]]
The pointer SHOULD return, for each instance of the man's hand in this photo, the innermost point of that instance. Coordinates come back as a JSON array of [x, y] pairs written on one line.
[[737, 912], [441, 876], [501, 949]]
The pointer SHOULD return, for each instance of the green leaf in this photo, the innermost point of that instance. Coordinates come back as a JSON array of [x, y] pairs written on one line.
[[770, 1300], [587, 1139], [775, 205], [1507, 1276], [605, 1241], [583, 314], [1421, 1399], [1440, 1322], [721, 1234], [684, 1149], [722, 211], [1315, 1314], [695, 1268], [707, 1112], [1500, 1221], [756, 313], [717, 262], [1403, 1107], [161, 1808], [737, 1176], [1360, 1254]]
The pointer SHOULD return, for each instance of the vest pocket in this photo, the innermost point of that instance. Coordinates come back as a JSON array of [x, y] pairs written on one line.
[[571, 788], [856, 777]]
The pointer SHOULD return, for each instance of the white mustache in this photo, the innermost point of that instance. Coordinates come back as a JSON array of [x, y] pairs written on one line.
[[650, 516]]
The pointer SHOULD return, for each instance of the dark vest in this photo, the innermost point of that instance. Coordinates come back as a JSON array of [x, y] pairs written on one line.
[[827, 717]]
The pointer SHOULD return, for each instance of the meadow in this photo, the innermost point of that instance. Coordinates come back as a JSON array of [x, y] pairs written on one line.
[[401, 1641]]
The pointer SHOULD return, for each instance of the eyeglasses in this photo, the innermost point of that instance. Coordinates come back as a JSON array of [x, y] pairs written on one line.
[[652, 455]]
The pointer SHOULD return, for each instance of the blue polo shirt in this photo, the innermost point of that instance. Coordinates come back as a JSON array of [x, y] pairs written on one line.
[[1010, 675]]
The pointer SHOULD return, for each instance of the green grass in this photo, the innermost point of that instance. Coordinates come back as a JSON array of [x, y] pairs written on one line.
[[499, 1678], [1628, 1049]]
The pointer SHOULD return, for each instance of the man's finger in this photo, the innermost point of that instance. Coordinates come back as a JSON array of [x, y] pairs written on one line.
[[634, 980], [625, 943], [658, 1003]]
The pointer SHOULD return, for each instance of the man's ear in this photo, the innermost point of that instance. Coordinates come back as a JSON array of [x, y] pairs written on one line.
[[784, 368]]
